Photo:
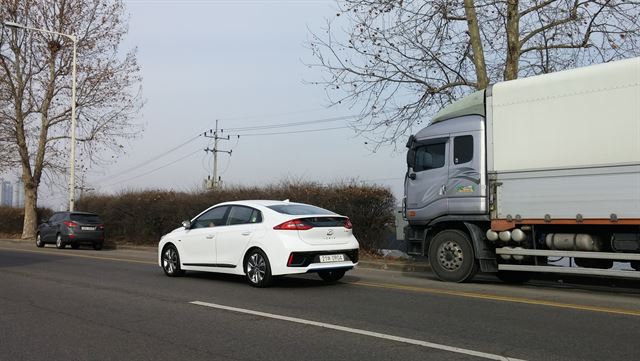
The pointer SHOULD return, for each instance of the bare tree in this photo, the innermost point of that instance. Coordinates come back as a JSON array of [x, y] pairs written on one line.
[[400, 61], [35, 86]]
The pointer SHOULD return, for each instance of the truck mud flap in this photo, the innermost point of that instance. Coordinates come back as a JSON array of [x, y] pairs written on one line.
[[485, 255]]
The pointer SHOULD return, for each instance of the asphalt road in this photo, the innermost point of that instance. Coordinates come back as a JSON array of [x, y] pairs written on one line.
[[118, 305]]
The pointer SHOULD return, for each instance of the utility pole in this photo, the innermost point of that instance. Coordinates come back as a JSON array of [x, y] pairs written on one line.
[[214, 181]]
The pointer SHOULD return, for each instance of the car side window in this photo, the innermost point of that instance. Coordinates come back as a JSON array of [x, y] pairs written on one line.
[[429, 156], [55, 218], [244, 215], [212, 218]]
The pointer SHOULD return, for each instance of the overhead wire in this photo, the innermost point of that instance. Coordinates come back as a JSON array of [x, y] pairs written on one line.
[[155, 169]]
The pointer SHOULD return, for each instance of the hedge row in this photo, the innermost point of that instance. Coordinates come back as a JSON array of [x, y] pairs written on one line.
[[142, 217], [12, 219]]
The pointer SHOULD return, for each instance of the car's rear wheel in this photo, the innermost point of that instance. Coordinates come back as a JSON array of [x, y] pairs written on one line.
[[171, 262], [59, 243], [257, 269], [331, 275], [97, 246], [39, 242]]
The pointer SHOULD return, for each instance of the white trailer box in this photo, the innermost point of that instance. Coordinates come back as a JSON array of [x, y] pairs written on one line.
[[566, 145]]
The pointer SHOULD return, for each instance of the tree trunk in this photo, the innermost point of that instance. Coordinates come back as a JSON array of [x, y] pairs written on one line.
[[476, 44], [513, 40], [30, 210]]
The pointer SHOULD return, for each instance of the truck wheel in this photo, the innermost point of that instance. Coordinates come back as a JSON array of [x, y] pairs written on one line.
[[451, 256]]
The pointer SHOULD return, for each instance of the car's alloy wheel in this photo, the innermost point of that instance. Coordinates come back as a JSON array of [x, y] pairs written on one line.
[[171, 262], [39, 242], [331, 275], [257, 269], [59, 243]]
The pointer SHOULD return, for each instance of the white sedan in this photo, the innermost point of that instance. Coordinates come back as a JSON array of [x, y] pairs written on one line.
[[261, 239]]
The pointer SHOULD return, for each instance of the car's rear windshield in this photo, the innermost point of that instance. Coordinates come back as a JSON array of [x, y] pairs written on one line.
[[85, 218], [300, 209]]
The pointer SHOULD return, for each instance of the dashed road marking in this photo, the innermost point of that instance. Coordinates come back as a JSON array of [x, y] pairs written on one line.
[[359, 332]]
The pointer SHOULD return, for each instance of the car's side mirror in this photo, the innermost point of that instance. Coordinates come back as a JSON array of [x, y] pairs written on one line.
[[186, 224], [44, 220]]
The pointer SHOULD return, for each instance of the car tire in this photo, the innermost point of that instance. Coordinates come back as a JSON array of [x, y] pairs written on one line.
[[171, 261], [39, 242], [97, 246], [75, 245], [331, 276], [59, 243], [257, 269], [451, 256]]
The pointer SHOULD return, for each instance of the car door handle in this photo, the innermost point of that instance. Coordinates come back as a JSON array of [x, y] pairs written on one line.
[[246, 233], [211, 236], [443, 189]]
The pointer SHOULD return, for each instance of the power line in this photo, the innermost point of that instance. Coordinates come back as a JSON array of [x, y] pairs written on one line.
[[293, 132], [155, 169], [293, 124], [150, 160]]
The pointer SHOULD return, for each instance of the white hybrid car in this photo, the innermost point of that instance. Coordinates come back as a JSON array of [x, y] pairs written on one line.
[[261, 239]]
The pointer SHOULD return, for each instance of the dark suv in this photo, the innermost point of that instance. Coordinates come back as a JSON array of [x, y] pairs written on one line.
[[72, 228]]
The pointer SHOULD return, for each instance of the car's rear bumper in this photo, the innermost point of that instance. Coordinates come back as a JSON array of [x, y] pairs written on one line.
[[309, 261], [84, 238]]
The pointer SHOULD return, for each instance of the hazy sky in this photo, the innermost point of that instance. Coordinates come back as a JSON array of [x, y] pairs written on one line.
[[242, 62]]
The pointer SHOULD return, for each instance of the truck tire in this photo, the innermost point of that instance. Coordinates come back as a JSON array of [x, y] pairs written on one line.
[[451, 256]]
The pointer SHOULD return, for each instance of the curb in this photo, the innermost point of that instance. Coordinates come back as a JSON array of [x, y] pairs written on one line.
[[410, 266]]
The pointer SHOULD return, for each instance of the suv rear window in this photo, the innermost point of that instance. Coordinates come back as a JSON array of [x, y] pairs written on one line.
[[299, 209], [85, 218]]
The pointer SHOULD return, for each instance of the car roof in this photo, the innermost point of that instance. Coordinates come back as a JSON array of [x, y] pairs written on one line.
[[260, 202]]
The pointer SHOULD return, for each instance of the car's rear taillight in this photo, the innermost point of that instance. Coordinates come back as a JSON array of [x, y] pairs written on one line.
[[347, 224], [100, 227], [70, 224], [293, 225]]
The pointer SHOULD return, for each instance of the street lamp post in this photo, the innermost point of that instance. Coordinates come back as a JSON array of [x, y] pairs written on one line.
[[72, 161]]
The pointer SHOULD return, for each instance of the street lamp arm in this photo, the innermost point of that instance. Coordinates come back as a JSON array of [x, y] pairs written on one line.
[[11, 24]]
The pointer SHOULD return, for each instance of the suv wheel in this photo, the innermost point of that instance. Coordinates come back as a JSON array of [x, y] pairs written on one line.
[[39, 242], [59, 243]]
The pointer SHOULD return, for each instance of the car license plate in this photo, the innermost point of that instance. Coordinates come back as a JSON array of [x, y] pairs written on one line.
[[332, 258], [88, 228]]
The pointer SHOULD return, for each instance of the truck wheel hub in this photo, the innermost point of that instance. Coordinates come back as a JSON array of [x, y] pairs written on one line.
[[450, 255]]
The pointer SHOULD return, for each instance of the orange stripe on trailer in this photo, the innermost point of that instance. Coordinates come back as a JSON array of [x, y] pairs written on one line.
[[505, 225]]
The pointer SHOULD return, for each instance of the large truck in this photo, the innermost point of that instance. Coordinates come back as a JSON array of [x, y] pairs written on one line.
[[540, 174]]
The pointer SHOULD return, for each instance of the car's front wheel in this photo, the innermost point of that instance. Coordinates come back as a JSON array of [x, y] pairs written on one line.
[[257, 269], [331, 275], [39, 242], [59, 243], [171, 262]]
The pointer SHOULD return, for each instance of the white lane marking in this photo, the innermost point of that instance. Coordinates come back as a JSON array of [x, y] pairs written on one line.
[[359, 332]]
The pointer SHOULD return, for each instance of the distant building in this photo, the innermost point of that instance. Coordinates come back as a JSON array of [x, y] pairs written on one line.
[[6, 193], [18, 194]]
